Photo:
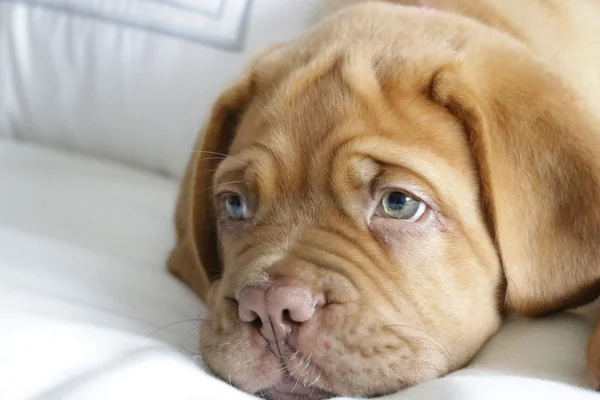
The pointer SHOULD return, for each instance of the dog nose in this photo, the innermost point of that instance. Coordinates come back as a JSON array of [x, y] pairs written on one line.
[[277, 309]]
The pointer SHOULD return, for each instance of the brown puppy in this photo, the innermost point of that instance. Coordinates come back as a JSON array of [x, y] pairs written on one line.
[[369, 200]]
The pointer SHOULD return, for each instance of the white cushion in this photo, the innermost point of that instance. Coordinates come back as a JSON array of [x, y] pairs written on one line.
[[86, 305], [130, 80], [78, 234]]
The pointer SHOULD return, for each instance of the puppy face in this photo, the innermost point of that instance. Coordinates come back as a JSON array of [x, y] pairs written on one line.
[[364, 205], [374, 208]]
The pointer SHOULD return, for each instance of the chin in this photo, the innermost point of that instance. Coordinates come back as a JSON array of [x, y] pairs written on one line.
[[291, 389]]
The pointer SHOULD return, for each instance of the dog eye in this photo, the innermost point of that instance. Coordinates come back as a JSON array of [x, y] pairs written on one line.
[[235, 206], [399, 205]]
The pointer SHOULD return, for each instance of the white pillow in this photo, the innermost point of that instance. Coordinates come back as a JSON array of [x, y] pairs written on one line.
[[132, 80]]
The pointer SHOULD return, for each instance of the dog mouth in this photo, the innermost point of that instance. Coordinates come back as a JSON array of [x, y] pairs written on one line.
[[289, 388]]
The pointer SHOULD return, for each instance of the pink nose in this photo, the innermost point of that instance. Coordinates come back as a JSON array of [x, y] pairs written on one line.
[[277, 309]]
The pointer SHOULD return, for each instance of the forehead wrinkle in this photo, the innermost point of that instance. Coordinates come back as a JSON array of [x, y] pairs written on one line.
[[277, 171], [350, 165], [296, 132], [428, 168], [253, 167], [277, 139], [295, 84], [363, 170], [233, 166], [360, 76], [356, 139], [323, 172], [263, 171]]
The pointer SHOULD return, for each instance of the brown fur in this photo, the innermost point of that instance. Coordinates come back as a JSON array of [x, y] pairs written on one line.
[[483, 109]]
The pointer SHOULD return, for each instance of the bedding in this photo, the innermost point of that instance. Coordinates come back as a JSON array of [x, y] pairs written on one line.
[[89, 156], [86, 315]]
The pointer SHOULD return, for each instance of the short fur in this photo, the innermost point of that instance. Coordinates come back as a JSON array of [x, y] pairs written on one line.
[[486, 110]]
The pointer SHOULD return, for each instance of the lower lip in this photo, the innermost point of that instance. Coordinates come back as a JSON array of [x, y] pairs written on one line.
[[293, 388]]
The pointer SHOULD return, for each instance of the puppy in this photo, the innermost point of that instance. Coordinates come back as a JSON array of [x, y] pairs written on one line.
[[368, 201]]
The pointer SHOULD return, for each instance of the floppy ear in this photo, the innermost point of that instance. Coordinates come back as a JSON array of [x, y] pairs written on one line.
[[536, 148], [195, 258]]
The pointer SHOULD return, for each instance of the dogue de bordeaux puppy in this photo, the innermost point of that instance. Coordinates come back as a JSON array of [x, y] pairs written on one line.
[[369, 201]]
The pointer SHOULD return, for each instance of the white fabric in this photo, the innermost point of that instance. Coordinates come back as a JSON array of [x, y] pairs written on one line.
[[219, 23], [83, 290], [132, 80], [79, 234], [87, 310]]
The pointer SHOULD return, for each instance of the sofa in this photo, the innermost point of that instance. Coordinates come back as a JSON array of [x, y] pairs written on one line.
[[100, 102]]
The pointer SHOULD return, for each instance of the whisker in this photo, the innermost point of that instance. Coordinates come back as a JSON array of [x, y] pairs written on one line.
[[514, 285], [316, 380], [221, 157], [295, 384], [416, 372], [211, 158], [431, 365], [216, 153], [214, 346], [263, 394], [292, 373], [438, 348], [294, 355], [181, 346], [307, 364], [203, 339], [211, 170], [198, 359], [154, 332], [218, 276], [221, 184], [282, 368], [432, 341]]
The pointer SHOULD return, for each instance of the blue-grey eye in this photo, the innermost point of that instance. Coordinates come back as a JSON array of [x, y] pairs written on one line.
[[235, 206], [399, 205]]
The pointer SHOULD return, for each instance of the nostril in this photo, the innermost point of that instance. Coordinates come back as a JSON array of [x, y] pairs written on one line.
[[251, 306], [232, 300], [287, 318], [256, 322], [250, 316]]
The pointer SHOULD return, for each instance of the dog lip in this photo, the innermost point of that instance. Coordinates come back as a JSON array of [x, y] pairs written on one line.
[[290, 388]]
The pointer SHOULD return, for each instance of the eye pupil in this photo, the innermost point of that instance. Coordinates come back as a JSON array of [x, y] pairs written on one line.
[[235, 206], [397, 201], [234, 201]]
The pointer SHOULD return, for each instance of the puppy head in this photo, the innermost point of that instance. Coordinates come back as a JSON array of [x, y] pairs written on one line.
[[392, 185]]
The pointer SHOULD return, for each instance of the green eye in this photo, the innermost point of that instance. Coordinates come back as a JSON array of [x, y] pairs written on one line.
[[401, 206], [235, 206]]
